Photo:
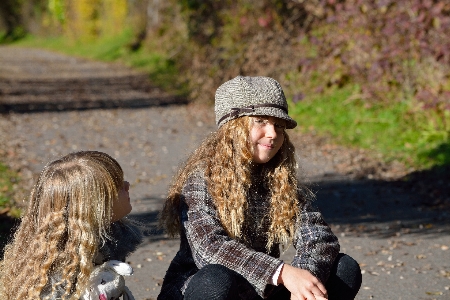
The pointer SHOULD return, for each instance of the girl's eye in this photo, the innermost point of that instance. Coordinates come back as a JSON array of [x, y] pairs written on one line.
[[259, 121]]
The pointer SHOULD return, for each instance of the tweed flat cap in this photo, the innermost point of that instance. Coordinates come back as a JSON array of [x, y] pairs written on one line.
[[251, 96]]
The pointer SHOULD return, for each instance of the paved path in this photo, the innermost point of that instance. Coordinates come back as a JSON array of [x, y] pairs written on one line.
[[402, 246]]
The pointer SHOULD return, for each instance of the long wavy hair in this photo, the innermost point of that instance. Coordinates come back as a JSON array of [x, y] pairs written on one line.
[[225, 158], [68, 217]]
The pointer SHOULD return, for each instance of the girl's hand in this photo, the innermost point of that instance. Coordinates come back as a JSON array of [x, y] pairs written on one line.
[[302, 284]]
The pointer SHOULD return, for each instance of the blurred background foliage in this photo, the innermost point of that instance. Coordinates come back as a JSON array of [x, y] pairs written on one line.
[[368, 73]]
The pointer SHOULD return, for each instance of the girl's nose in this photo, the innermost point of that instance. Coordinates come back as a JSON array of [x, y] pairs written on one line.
[[270, 131]]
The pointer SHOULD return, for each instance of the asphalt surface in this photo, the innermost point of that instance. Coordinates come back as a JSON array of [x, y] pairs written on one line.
[[402, 245]]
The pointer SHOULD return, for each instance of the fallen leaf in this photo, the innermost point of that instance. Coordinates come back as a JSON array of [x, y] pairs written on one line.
[[434, 293], [445, 273]]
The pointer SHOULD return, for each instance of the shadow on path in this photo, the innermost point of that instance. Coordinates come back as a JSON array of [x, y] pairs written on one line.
[[149, 221], [35, 107], [379, 209], [416, 204], [128, 91]]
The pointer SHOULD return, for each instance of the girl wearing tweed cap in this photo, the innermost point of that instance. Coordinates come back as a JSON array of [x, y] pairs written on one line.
[[237, 199]]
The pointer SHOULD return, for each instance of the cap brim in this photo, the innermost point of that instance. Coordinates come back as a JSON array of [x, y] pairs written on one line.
[[264, 111], [274, 112]]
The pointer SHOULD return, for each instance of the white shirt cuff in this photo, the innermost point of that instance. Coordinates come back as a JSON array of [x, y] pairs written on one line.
[[277, 274]]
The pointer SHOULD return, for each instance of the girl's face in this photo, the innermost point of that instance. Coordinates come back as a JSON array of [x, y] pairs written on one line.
[[121, 205], [266, 137]]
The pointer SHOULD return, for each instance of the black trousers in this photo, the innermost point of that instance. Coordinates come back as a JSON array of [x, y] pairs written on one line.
[[216, 282]]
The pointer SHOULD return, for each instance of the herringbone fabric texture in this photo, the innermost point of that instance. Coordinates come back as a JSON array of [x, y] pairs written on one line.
[[251, 96]]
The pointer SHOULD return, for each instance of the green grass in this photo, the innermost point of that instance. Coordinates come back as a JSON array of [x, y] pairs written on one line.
[[9, 212], [160, 68], [394, 131], [7, 179]]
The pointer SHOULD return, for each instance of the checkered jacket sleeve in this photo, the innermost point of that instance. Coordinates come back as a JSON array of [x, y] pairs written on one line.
[[316, 245], [210, 244]]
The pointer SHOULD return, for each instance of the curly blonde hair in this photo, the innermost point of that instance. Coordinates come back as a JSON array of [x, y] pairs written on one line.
[[225, 158], [68, 216]]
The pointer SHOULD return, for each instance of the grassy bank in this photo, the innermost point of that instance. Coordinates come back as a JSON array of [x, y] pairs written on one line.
[[395, 131]]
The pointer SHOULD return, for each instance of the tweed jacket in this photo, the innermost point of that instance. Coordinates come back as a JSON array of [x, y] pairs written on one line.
[[204, 241]]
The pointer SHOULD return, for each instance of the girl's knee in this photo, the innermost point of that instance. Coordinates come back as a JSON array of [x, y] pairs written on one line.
[[345, 278], [212, 282], [216, 273], [347, 266]]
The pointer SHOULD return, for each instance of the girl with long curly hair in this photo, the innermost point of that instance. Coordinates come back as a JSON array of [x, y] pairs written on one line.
[[75, 220], [237, 199]]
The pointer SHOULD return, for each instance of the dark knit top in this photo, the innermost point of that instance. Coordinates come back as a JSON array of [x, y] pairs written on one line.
[[204, 241]]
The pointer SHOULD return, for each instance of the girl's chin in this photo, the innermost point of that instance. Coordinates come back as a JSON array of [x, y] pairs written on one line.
[[261, 161]]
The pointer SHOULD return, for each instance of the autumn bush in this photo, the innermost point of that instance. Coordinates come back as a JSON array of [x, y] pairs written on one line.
[[395, 50]]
